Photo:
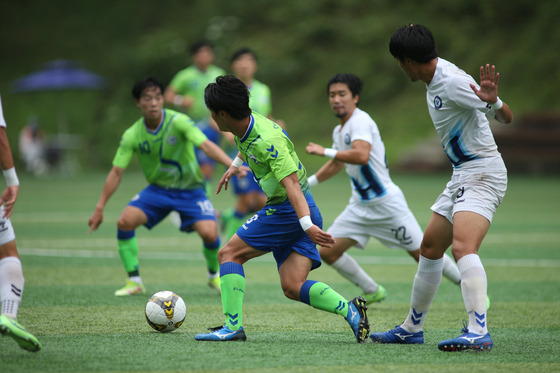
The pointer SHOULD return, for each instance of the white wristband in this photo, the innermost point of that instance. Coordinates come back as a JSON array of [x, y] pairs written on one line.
[[331, 153], [237, 162], [312, 180], [306, 222], [11, 176], [497, 105], [178, 100]]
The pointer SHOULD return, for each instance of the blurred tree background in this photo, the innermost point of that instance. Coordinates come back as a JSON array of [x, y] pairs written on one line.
[[300, 45]]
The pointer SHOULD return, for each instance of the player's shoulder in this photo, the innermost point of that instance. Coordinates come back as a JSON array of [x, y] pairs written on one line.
[[216, 70]]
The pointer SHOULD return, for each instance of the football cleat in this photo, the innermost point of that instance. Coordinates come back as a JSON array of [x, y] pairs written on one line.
[[222, 334], [357, 318], [131, 288], [398, 335], [214, 283], [376, 296], [467, 341], [12, 328]]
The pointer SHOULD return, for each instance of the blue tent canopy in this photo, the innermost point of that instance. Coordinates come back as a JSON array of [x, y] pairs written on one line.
[[59, 75]]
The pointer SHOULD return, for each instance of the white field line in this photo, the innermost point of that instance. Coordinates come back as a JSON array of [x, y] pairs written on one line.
[[72, 253]]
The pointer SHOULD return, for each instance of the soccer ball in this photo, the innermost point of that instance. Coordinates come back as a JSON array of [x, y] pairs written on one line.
[[165, 311]]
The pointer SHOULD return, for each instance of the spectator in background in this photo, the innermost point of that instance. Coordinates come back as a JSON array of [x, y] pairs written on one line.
[[186, 92]]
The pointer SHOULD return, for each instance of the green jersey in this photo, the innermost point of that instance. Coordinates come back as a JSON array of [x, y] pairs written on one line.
[[271, 157], [166, 154], [192, 82], [259, 99]]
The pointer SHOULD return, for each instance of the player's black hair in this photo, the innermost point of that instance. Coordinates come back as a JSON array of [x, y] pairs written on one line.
[[415, 42], [242, 51], [354, 83], [142, 84], [230, 94], [199, 44]]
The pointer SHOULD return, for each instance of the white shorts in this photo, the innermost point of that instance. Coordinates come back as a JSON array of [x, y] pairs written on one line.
[[481, 193], [6, 230], [389, 220]]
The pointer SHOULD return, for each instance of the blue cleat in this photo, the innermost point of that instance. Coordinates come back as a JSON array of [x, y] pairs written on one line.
[[398, 335], [467, 341], [222, 334], [357, 318]]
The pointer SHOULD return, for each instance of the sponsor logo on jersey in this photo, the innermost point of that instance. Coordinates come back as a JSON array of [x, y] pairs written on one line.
[[171, 140], [438, 103]]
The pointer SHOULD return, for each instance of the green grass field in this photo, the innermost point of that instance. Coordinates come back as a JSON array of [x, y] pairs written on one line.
[[71, 276]]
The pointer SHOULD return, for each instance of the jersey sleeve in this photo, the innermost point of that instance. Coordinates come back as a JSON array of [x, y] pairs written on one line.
[[191, 131], [361, 130], [125, 151], [279, 158], [180, 81], [2, 120], [461, 93]]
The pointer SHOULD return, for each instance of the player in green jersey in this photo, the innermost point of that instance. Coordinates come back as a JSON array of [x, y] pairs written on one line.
[[289, 225], [249, 196], [186, 91], [164, 141]]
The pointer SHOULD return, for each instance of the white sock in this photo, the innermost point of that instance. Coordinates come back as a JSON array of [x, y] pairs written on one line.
[[424, 288], [136, 279], [351, 270], [450, 270], [11, 285], [474, 287]]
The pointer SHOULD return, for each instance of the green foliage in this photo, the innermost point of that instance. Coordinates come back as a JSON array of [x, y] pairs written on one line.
[[300, 44]]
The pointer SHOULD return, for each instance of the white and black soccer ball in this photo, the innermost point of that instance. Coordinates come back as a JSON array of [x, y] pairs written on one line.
[[165, 311]]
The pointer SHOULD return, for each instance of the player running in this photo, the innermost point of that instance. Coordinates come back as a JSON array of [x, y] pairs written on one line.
[[11, 273], [289, 225]]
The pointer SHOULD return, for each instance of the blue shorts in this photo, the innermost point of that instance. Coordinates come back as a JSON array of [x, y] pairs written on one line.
[[245, 185], [276, 228], [157, 203], [213, 135]]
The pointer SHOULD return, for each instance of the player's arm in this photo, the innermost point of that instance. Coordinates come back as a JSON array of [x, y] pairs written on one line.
[[359, 154], [299, 203], [10, 194], [215, 152], [172, 97], [328, 170], [111, 184], [488, 93]]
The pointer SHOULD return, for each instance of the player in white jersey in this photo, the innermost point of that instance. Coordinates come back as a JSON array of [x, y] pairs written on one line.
[[11, 274], [377, 207], [463, 212]]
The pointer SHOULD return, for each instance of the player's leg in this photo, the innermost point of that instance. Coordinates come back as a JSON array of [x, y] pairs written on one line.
[[249, 199], [436, 240], [11, 290], [450, 270], [293, 278], [232, 256], [130, 219], [208, 232], [469, 229], [349, 268]]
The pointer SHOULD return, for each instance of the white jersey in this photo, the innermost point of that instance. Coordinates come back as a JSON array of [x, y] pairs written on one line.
[[459, 117], [2, 120], [372, 181]]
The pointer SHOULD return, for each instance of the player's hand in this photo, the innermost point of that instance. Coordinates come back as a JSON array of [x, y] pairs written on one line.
[[95, 220], [316, 149], [230, 172], [488, 91], [9, 197], [320, 237]]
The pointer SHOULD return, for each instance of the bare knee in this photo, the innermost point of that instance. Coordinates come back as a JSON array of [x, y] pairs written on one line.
[[126, 224], [291, 291]]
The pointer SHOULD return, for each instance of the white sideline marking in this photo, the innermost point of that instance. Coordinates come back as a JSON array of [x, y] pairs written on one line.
[[71, 253]]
